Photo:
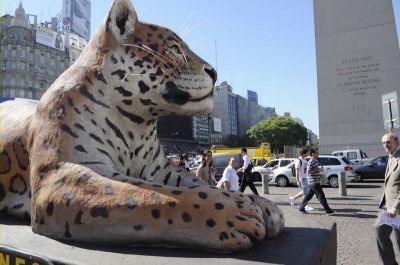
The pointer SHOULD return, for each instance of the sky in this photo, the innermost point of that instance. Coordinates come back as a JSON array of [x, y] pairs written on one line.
[[267, 46]]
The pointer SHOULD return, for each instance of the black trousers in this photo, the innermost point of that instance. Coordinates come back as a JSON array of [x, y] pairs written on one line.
[[384, 243], [319, 193], [246, 183]]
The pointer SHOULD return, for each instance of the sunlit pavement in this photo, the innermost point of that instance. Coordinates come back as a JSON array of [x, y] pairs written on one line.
[[355, 215]]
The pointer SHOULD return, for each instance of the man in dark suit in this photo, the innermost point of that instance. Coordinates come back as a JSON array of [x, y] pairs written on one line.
[[390, 200]]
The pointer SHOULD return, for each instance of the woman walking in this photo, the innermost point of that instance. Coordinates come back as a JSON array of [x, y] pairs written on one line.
[[206, 172]]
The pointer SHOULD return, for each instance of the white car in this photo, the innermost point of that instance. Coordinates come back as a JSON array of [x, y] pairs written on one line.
[[261, 171], [332, 165], [276, 163]]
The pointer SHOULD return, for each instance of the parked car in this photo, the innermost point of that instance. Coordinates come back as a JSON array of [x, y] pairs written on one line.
[[258, 172], [220, 161], [281, 162], [332, 165], [355, 156], [374, 169], [259, 161]]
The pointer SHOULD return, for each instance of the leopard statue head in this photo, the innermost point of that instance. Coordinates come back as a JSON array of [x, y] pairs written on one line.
[[156, 72]]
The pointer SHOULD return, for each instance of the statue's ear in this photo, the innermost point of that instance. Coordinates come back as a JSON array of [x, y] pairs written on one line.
[[121, 20]]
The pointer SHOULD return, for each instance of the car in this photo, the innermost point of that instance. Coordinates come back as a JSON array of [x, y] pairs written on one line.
[[281, 162], [355, 156], [258, 172], [374, 169], [259, 161], [221, 160], [332, 165]]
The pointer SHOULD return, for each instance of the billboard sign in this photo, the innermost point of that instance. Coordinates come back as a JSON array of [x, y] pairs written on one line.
[[66, 15], [81, 12], [50, 38]]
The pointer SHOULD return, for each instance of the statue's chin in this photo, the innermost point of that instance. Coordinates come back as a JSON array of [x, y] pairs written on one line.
[[202, 107]]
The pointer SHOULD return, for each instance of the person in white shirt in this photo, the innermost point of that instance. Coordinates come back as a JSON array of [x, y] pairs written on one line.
[[230, 179], [246, 169], [301, 177]]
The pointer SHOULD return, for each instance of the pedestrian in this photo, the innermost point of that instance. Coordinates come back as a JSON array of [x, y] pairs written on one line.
[[390, 200], [314, 171], [301, 177], [230, 178], [184, 162], [247, 179], [206, 171]]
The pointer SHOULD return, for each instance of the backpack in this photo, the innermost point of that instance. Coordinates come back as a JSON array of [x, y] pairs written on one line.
[[294, 167]]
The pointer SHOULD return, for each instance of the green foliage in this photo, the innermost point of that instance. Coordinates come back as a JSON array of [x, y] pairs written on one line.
[[279, 131]]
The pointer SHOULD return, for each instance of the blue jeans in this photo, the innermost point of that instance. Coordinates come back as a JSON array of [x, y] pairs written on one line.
[[304, 186]]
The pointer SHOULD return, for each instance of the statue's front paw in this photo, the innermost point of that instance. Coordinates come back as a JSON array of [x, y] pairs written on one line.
[[225, 221], [273, 216]]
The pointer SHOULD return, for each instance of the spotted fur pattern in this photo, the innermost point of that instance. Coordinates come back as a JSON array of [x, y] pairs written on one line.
[[85, 164]]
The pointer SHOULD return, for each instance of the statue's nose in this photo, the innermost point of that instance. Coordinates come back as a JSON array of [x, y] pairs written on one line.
[[211, 72]]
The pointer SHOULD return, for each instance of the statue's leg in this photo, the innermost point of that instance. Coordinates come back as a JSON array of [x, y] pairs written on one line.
[[75, 203]]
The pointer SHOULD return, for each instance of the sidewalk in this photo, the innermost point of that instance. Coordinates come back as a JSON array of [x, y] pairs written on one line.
[[355, 216]]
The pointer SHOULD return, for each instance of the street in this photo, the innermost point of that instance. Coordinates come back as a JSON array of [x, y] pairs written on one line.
[[354, 215]]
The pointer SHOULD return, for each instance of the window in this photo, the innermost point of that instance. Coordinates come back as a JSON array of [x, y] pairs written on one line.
[[329, 161], [4, 65], [23, 65], [30, 94], [323, 161], [12, 93], [380, 161], [273, 163], [334, 162], [346, 160], [6, 92], [285, 162], [352, 155]]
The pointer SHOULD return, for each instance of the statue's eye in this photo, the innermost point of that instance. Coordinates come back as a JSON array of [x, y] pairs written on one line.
[[175, 49]]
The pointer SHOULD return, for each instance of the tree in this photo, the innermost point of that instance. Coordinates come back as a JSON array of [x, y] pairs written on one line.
[[279, 131]]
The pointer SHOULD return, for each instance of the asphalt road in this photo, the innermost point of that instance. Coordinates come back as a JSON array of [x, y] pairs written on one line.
[[355, 216]]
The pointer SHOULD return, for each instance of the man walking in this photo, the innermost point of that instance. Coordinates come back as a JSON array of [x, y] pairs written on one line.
[[390, 199], [247, 167], [314, 178], [301, 177]]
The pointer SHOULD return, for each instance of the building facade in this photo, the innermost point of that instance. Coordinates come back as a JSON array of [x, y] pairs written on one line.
[[28, 68], [358, 61], [226, 109], [250, 113], [76, 46], [176, 134], [236, 113]]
